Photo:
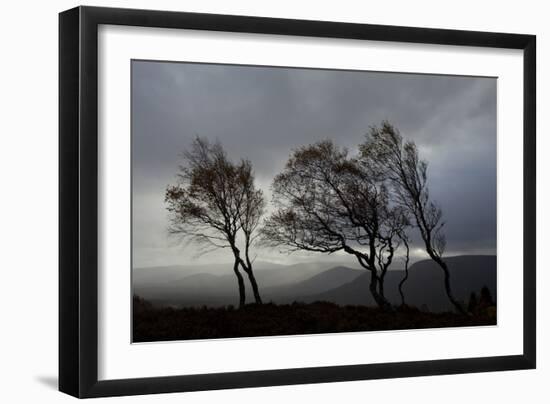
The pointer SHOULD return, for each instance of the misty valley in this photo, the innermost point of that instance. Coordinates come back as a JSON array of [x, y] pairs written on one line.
[[311, 282]]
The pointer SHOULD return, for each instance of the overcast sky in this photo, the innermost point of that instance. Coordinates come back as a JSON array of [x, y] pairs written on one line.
[[262, 113]]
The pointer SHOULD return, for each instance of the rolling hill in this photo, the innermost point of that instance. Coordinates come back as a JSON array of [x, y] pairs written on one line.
[[424, 286], [315, 282]]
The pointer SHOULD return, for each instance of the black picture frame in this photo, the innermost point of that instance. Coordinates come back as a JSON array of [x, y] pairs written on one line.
[[78, 201]]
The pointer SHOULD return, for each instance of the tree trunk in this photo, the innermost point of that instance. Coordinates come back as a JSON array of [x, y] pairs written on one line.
[[254, 285], [374, 279], [455, 303], [448, 290], [373, 287], [378, 298], [238, 261], [240, 280], [250, 272], [402, 282], [384, 268]]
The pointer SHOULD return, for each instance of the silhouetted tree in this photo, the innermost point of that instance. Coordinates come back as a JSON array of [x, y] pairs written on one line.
[[385, 151], [390, 236], [213, 200], [405, 239], [326, 202], [252, 209]]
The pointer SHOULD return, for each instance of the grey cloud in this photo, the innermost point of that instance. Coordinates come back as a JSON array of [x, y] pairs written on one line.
[[261, 113]]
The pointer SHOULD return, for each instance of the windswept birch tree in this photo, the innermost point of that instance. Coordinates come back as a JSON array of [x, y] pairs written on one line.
[[213, 202], [399, 161], [327, 202]]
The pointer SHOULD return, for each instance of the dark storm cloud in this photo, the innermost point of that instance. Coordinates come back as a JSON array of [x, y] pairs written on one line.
[[262, 113]]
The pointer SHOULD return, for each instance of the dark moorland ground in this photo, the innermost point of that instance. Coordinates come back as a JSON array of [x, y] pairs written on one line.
[[167, 324]]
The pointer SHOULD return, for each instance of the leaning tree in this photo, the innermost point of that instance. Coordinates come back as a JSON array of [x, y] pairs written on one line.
[[252, 208], [403, 236], [213, 201], [391, 157], [327, 202], [391, 235]]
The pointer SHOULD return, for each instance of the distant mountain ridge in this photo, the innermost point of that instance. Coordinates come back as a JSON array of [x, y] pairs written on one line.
[[279, 283], [424, 285], [314, 282], [323, 281]]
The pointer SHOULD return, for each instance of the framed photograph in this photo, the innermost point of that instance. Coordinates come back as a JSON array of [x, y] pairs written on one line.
[[249, 201]]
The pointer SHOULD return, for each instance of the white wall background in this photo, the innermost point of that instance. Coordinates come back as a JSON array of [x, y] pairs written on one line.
[[28, 203]]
